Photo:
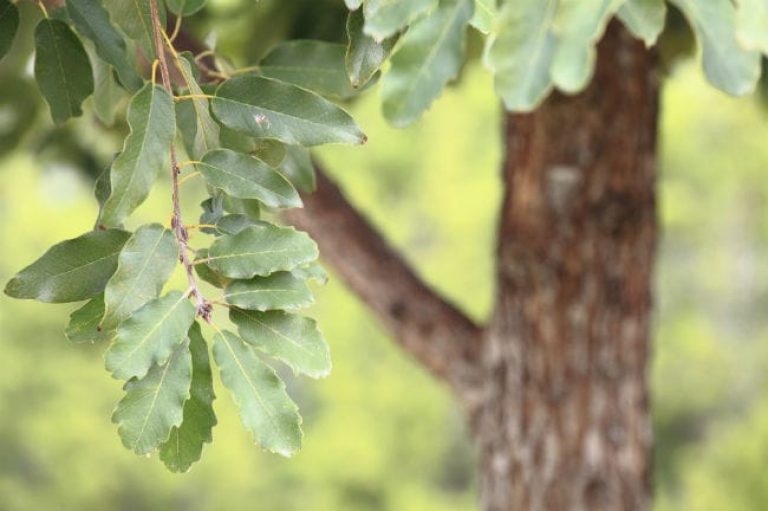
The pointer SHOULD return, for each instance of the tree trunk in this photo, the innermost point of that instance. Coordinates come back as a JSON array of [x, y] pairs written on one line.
[[562, 422]]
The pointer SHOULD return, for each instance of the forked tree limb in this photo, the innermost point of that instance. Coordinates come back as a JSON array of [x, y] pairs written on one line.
[[435, 332]]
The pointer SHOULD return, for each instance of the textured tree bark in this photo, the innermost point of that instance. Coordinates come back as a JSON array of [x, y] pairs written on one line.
[[563, 422]]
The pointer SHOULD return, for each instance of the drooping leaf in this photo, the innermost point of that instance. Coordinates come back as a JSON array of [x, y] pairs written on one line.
[[185, 445], [292, 339], [728, 66], [149, 336], [71, 271], [144, 266], [265, 408], [107, 93], [92, 20], [134, 171], [485, 13], [135, 18], [9, 24], [364, 55], [246, 177], [84, 323], [261, 250], [578, 25], [429, 56], [298, 168], [385, 18], [281, 290], [751, 24], [521, 52], [62, 69], [644, 18], [314, 65], [185, 7], [266, 108], [200, 132], [153, 405]]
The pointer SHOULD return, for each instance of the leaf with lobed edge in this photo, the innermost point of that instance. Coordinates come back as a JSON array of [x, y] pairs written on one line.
[[71, 271], [429, 55], [153, 406], [294, 340], [260, 250], [134, 171], [245, 177], [314, 271], [644, 18], [280, 290], [62, 69], [83, 324], [265, 407], [752, 24], [185, 444], [149, 336], [144, 266], [264, 108], [9, 25], [485, 14]]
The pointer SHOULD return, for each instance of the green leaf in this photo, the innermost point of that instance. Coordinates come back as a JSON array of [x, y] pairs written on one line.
[[520, 54], [644, 18], [297, 166], [265, 408], [185, 445], [84, 323], [751, 24], [70, 271], [135, 18], [153, 405], [313, 271], [199, 130], [185, 7], [485, 14], [265, 108], [364, 55], [292, 339], [107, 93], [150, 116], [727, 65], [149, 336], [62, 69], [206, 273], [579, 24], [233, 224], [246, 177], [353, 5], [314, 65], [261, 250], [384, 18], [430, 54], [281, 290], [92, 21], [144, 266], [9, 24]]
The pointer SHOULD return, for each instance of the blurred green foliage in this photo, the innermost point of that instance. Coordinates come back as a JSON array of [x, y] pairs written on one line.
[[380, 434]]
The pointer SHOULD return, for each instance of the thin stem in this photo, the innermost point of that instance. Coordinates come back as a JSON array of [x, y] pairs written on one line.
[[182, 237], [188, 177]]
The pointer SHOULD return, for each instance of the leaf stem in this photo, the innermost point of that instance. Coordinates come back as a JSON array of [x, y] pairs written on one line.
[[204, 308]]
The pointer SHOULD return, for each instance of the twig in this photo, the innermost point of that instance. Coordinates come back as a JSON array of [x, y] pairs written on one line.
[[203, 307]]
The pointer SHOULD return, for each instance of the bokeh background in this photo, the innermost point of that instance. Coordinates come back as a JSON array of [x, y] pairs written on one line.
[[379, 433]]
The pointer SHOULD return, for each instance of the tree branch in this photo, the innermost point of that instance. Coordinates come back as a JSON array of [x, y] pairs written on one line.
[[435, 332]]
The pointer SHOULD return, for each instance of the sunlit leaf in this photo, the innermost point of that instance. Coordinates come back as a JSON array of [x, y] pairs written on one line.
[[751, 24], [292, 339], [485, 13], [385, 18], [644, 18], [265, 408], [149, 336], [153, 405], [71, 271], [84, 323], [261, 250], [429, 55], [62, 69]]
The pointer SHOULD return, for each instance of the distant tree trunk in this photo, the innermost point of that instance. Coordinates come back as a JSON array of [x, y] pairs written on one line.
[[563, 418]]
